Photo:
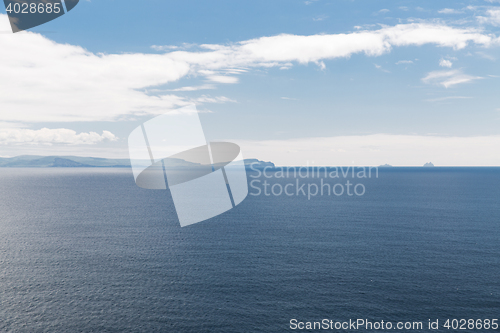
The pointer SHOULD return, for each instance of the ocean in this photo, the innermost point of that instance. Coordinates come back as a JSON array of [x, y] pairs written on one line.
[[86, 250]]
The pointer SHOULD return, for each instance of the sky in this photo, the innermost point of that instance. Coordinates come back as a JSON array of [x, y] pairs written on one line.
[[316, 82]]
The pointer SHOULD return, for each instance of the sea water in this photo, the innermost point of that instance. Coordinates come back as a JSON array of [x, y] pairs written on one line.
[[86, 250]]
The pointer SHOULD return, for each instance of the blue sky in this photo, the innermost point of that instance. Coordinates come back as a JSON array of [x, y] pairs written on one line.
[[295, 82]]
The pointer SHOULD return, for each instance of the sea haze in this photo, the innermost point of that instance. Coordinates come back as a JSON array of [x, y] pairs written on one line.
[[86, 250]]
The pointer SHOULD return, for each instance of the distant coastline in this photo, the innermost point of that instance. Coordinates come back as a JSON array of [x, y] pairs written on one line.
[[35, 161]]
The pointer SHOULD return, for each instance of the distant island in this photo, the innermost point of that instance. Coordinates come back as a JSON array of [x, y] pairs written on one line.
[[429, 165], [257, 164], [33, 161]]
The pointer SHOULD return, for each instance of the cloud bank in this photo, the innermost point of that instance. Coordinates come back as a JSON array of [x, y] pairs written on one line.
[[378, 149], [47, 136]]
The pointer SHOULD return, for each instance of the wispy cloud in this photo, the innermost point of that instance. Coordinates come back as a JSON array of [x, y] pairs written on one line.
[[164, 47], [235, 70], [275, 50], [404, 62], [195, 88], [223, 79], [445, 63], [448, 78], [217, 99], [383, 11], [220, 76], [320, 18], [492, 17], [172, 47], [449, 11], [381, 68], [486, 56]]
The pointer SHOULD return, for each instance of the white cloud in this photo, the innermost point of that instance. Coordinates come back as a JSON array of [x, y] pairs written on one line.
[[164, 47], [306, 49], [236, 70], [445, 63], [222, 79], [378, 149], [217, 99], [493, 17], [43, 81], [321, 65], [66, 83], [406, 62], [449, 11], [46, 136], [448, 78], [195, 88]]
